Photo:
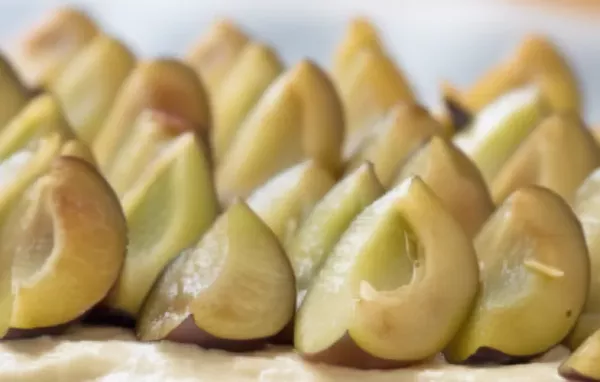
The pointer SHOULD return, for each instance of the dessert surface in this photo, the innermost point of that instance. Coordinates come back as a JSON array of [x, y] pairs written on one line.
[[110, 354]]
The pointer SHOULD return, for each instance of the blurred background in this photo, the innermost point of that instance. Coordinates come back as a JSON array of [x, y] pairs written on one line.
[[455, 40]]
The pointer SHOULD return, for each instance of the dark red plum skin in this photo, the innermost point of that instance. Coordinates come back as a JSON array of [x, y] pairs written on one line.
[[189, 333], [460, 117], [105, 316], [571, 374], [20, 334], [490, 356], [346, 353]]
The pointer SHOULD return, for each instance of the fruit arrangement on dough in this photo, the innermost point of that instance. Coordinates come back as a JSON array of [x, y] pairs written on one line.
[[226, 200]]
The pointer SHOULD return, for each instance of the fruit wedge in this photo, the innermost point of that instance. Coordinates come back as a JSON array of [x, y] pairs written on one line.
[[67, 238], [328, 220], [584, 363], [404, 129], [39, 117], [367, 78], [45, 50], [372, 85], [559, 154], [455, 179], [299, 117], [535, 274], [166, 85], [90, 82], [286, 200], [151, 134], [537, 60], [17, 172], [256, 67], [395, 288], [361, 35], [217, 51], [28, 144], [13, 94], [234, 290], [168, 208], [499, 129], [587, 208]]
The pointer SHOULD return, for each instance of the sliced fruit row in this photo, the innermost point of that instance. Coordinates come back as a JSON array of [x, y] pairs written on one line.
[[48, 47], [68, 54], [268, 208], [152, 117], [368, 80], [236, 72]]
